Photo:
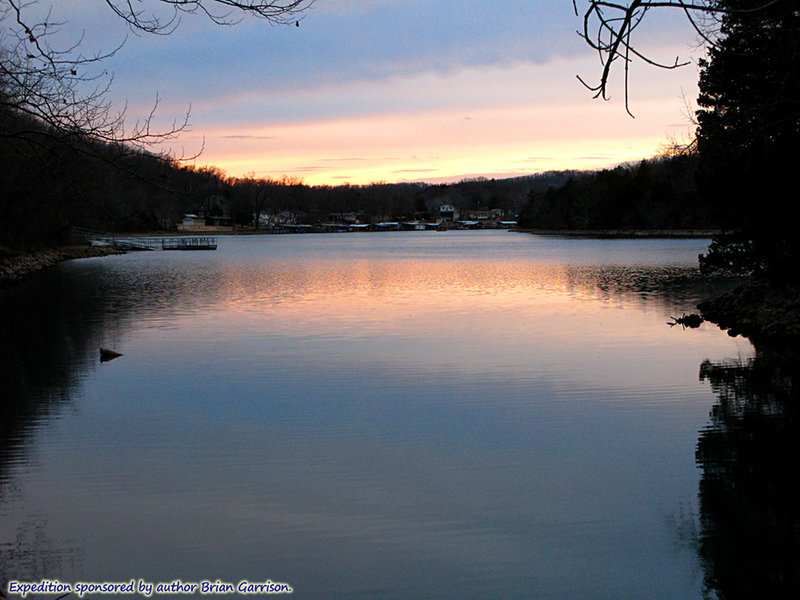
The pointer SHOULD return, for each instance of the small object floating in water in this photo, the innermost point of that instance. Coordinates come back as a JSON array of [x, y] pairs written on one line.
[[692, 321], [107, 355]]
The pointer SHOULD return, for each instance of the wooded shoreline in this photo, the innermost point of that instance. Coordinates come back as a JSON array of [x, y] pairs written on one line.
[[626, 233]]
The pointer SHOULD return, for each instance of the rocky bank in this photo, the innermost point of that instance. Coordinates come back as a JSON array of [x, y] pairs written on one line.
[[14, 266], [761, 311]]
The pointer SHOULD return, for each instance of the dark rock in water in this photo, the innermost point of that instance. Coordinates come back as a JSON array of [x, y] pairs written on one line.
[[692, 321], [107, 355]]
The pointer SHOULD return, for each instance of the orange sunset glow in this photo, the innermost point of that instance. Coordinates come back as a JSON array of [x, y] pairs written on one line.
[[493, 121]]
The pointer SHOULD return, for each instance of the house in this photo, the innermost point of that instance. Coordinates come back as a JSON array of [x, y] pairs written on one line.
[[448, 212], [191, 221]]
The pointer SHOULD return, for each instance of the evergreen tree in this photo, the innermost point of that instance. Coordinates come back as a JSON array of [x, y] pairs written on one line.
[[749, 134]]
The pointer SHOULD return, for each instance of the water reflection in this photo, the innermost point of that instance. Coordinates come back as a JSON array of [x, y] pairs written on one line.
[[46, 352], [502, 282], [749, 499], [485, 415], [46, 355], [53, 324], [251, 274]]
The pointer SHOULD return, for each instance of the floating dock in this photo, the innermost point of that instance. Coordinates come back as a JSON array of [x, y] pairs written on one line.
[[136, 242], [189, 243]]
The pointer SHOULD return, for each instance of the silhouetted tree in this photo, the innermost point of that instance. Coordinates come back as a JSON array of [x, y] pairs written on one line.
[[749, 122], [749, 133]]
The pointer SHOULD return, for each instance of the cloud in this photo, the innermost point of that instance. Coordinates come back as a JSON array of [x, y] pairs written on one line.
[[368, 41], [462, 87], [344, 159], [411, 48], [246, 137], [307, 169]]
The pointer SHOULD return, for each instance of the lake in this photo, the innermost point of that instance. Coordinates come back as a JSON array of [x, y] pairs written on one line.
[[377, 415]]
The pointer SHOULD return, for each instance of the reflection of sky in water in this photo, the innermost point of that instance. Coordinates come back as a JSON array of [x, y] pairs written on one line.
[[424, 415]]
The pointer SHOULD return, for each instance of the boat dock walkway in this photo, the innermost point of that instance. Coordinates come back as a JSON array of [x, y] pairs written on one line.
[[135, 242]]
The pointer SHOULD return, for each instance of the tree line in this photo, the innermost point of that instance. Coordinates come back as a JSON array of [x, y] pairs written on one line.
[[652, 194], [49, 187], [60, 181]]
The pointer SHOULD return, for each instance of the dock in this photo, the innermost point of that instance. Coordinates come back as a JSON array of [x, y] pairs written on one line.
[[137, 242], [189, 243]]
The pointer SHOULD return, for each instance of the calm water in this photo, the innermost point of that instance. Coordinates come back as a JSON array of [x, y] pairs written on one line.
[[409, 415]]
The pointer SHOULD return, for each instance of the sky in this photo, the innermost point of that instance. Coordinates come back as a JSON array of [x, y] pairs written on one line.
[[394, 90]]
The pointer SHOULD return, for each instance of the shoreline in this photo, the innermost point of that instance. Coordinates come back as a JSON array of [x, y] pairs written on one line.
[[575, 233], [17, 265], [762, 312], [756, 310], [625, 233]]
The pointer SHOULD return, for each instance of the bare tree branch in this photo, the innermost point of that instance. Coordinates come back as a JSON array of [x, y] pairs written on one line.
[[66, 90], [279, 12], [608, 28]]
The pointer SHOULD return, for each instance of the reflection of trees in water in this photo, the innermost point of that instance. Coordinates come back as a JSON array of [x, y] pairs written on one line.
[[47, 354], [749, 500], [45, 357], [665, 287], [51, 328]]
